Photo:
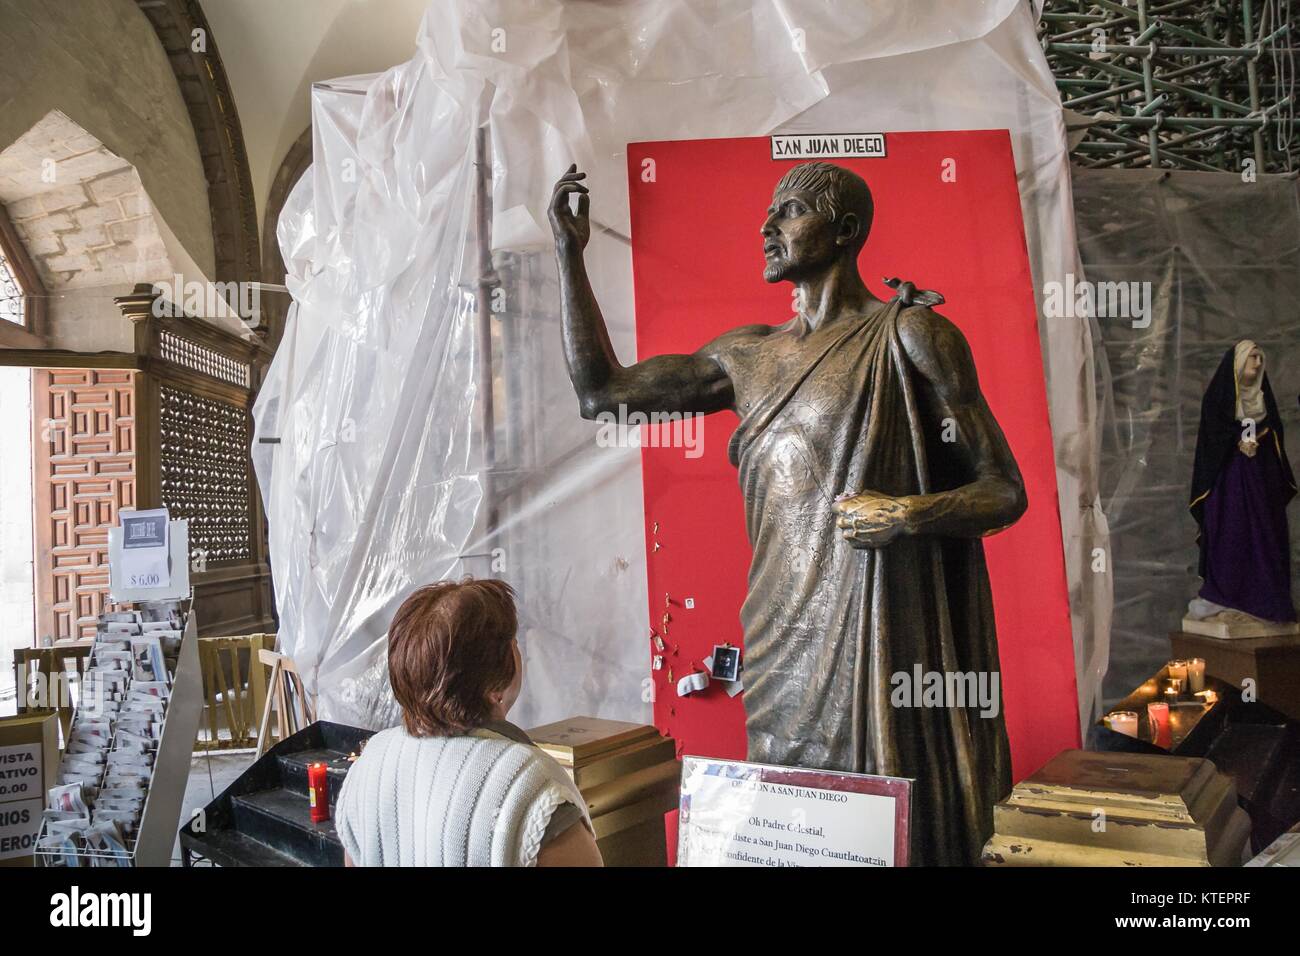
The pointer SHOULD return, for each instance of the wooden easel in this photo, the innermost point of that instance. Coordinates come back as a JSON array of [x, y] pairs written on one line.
[[52, 663], [234, 681], [287, 694]]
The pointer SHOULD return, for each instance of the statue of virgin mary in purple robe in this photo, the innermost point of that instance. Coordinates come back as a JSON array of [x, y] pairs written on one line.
[[1241, 484]]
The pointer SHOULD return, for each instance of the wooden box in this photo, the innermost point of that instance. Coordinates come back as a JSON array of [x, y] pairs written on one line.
[[1120, 809], [629, 775], [1273, 663], [29, 765], [1284, 851]]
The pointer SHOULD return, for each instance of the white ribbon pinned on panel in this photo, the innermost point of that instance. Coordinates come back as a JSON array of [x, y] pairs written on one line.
[[692, 683]]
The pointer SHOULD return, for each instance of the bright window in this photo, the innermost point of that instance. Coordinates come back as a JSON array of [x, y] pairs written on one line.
[[13, 303]]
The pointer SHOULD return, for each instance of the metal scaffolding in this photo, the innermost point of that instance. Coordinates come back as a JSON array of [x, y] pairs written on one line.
[[1184, 84]]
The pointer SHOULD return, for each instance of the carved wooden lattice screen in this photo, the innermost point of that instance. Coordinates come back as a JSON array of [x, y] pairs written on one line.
[[204, 473], [195, 399]]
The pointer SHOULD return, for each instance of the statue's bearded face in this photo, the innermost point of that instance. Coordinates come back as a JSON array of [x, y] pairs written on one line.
[[798, 241]]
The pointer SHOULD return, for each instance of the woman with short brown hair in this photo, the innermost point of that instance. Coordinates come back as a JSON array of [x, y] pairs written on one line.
[[457, 784]]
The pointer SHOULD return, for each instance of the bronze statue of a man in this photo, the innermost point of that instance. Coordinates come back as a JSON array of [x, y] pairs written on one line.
[[870, 465]]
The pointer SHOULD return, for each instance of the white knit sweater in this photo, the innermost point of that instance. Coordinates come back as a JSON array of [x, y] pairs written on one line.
[[472, 800]]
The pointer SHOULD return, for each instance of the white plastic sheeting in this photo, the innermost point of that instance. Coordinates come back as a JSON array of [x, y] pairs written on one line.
[[379, 393], [1221, 258]]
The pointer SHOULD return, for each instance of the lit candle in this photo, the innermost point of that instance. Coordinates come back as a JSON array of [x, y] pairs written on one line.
[[1175, 688], [1177, 670], [1207, 697], [1158, 717], [1196, 674], [318, 792], [1123, 722]]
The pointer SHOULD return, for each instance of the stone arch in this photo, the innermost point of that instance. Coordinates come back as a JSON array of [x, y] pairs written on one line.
[[275, 306], [211, 104]]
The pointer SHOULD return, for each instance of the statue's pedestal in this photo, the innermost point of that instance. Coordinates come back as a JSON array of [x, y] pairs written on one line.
[[630, 777], [1158, 811], [1231, 630], [1284, 851], [1272, 662]]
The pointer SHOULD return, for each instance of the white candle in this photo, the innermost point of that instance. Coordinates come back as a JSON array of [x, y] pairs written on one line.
[[1123, 722], [1196, 674], [1178, 669]]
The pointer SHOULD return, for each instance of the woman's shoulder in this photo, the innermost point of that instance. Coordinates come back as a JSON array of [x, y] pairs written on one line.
[[482, 745], [399, 740], [390, 749], [381, 740], [514, 745]]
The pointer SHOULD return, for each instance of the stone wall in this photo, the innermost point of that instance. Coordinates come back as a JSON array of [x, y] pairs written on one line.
[[99, 63]]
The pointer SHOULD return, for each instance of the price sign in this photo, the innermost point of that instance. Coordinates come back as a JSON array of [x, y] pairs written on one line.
[[20, 772], [145, 549], [20, 823]]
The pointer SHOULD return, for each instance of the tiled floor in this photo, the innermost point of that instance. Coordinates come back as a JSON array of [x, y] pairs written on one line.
[[210, 773]]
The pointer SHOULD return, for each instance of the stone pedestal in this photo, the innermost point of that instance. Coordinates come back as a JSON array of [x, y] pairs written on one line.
[[629, 775], [1116, 809], [1237, 629]]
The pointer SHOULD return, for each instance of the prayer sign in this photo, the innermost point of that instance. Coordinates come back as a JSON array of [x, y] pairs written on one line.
[[746, 814]]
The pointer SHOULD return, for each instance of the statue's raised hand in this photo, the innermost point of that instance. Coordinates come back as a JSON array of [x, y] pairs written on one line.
[[572, 230]]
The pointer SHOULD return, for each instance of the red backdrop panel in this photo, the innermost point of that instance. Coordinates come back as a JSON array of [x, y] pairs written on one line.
[[947, 218]]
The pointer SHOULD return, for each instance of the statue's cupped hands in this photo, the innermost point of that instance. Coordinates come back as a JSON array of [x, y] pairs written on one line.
[[871, 520]]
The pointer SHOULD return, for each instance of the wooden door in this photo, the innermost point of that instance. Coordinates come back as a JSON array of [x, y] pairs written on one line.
[[84, 471]]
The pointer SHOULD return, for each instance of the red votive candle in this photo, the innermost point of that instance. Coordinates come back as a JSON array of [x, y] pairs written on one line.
[[1162, 734], [318, 791]]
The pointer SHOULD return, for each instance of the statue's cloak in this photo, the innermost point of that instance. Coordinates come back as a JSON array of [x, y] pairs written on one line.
[[828, 626], [1239, 503]]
